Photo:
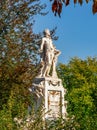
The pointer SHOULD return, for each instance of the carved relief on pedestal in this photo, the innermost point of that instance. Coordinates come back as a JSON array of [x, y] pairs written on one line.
[[54, 104], [38, 87], [54, 82]]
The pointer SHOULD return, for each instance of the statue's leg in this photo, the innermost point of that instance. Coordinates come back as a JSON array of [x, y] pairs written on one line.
[[48, 70], [44, 70]]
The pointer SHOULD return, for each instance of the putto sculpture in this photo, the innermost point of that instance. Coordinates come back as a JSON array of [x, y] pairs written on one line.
[[49, 55]]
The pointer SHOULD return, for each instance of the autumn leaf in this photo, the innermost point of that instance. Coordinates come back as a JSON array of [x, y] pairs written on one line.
[[54, 6], [80, 1], [87, 1], [59, 8], [94, 7], [67, 2], [75, 1]]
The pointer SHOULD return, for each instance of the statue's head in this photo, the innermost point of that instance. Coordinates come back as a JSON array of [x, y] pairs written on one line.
[[47, 32]]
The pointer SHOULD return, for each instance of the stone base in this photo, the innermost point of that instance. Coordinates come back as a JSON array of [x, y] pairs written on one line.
[[52, 92]]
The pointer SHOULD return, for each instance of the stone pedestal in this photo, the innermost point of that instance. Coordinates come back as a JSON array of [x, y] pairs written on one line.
[[51, 92]]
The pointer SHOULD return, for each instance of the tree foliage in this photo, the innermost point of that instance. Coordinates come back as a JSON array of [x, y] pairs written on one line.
[[18, 57], [18, 43], [80, 79], [58, 4]]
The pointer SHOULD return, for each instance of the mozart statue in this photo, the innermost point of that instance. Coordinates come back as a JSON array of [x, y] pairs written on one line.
[[49, 56]]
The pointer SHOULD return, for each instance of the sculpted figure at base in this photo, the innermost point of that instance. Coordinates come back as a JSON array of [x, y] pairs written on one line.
[[49, 55], [56, 54]]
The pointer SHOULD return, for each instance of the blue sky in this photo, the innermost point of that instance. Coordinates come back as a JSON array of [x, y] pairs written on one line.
[[76, 29]]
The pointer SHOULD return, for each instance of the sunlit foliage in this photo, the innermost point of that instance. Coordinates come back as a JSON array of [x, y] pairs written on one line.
[[80, 79]]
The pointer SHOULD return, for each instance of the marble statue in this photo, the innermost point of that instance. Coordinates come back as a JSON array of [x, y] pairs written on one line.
[[49, 56], [47, 88]]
